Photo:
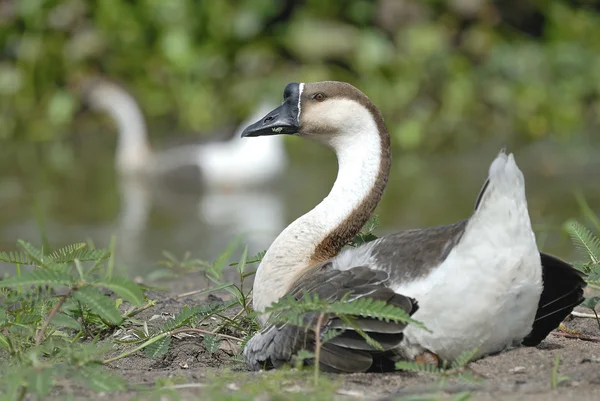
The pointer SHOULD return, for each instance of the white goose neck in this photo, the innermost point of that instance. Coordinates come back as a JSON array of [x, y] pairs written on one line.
[[133, 150], [359, 152]]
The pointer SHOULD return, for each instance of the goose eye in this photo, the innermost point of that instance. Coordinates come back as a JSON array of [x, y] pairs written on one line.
[[319, 97]]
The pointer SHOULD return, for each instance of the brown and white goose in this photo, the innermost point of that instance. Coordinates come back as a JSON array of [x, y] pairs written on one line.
[[479, 283]]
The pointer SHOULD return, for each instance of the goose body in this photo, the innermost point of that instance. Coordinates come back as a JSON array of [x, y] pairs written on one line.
[[479, 283], [230, 163]]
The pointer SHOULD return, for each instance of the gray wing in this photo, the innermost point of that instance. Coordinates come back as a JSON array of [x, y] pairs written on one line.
[[276, 344], [409, 255]]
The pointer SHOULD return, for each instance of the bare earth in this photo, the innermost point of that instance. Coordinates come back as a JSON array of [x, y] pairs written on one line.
[[520, 374]]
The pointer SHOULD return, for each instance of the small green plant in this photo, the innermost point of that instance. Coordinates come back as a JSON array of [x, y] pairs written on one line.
[[589, 243], [555, 379], [366, 234], [457, 368], [155, 341], [49, 309]]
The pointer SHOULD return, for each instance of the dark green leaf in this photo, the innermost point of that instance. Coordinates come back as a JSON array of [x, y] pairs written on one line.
[[98, 304], [62, 320], [126, 289], [211, 343], [158, 348]]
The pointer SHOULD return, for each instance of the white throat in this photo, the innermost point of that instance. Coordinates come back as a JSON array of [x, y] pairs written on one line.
[[358, 150], [133, 150]]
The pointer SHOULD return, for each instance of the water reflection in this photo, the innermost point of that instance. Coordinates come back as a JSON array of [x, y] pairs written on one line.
[[148, 219], [217, 217]]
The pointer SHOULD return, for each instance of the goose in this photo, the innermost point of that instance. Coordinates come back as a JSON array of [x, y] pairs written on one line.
[[480, 283], [218, 164]]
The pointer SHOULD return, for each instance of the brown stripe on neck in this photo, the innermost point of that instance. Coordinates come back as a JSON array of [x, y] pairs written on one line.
[[344, 232]]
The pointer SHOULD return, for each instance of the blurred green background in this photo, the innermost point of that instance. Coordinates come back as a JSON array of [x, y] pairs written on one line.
[[452, 78], [444, 73]]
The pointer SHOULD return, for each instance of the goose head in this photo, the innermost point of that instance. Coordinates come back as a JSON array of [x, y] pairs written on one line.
[[331, 112]]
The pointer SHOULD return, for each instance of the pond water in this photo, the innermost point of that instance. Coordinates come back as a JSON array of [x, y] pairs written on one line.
[[81, 198]]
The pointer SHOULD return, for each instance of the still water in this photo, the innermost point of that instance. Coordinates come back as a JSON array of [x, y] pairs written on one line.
[[81, 198]]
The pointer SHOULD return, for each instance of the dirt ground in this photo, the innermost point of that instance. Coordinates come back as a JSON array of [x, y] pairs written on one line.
[[520, 374]]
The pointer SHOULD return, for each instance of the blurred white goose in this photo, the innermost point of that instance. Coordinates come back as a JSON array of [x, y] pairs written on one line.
[[479, 283], [229, 164]]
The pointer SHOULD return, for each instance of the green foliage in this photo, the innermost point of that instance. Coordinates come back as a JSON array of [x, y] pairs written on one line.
[[427, 70], [155, 341], [290, 310], [65, 255], [555, 379], [589, 245], [455, 368], [46, 309], [585, 240], [366, 234]]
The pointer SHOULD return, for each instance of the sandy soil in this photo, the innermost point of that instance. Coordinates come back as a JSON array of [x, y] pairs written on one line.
[[520, 374]]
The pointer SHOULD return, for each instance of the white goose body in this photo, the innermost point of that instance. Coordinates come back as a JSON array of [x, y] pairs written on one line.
[[486, 292], [232, 163], [480, 283]]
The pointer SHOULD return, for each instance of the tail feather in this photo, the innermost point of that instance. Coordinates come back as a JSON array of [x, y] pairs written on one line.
[[563, 291]]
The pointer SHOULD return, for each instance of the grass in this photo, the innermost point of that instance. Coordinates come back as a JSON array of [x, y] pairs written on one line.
[[67, 314]]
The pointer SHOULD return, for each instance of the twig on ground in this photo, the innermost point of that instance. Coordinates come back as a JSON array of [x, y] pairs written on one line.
[[200, 331], [576, 336], [39, 336]]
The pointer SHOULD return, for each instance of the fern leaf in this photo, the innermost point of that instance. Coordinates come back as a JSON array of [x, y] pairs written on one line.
[[66, 252], [81, 254], [464, 358], [38, 277], [367, 307], [126, 289], [363, 334], [158, 348], [34, 253], [330, 334], [62, 320], [211, 343], [98, 304], [17, 258], [418, 367], [584, 239], [187, 314]]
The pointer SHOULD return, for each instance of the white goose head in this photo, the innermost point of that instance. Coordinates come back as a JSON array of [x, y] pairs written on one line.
[[342, 117]]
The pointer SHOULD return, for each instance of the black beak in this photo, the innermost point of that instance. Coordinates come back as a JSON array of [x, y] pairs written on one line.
[[282, 120]]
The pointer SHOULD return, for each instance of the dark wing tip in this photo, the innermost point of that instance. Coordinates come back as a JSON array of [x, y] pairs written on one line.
[[562, 292]]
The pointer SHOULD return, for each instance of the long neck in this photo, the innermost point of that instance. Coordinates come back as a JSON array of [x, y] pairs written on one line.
[[364, 161], [133, 150]]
